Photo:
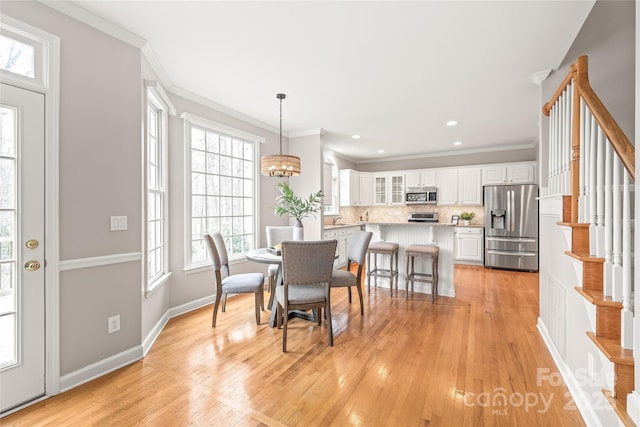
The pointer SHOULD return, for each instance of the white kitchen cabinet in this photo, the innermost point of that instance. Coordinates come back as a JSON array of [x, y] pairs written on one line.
[[459, 186], [524, 173], [388, 189], [356, 188], [420, 178], [343, 236], [366, 189], [468, 244], [514, 173]]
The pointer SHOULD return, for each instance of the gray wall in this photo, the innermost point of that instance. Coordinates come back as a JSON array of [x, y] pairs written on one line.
[[100, 176], [607, 38]]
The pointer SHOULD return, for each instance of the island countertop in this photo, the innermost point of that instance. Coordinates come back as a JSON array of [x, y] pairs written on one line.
[[428, 233], [435, 224]]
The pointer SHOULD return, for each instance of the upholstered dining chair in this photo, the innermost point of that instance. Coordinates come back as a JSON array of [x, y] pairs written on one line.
[[356, 252], [307, 268], [227, 283], [275, 235]]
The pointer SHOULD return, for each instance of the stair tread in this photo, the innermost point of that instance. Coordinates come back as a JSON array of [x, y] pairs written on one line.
[[613, 350], [620, 407], [598, 298], [584, 258], [573, 224]]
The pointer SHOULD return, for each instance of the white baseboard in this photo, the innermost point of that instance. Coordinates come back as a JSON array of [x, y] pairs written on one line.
[[100, 368], [579, 397], [633, 406]]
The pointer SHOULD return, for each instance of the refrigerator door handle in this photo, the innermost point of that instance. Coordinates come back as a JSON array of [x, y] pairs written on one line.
[[508, 215], [512, 253], [511, 239], [513, 215]]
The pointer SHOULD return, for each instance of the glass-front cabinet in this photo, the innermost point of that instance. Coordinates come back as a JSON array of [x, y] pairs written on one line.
[[388, 189]]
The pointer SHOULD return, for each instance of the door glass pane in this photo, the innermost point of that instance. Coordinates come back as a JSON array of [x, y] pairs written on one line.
[[8, 227], [17, 57]]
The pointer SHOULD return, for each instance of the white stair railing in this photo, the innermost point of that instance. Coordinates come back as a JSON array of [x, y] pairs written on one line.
[[580, 136]]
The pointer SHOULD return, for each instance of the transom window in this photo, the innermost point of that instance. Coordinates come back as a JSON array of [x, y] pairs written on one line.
[[222, 193], [17, 57]]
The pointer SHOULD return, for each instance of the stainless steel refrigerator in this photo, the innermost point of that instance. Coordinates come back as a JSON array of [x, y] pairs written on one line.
[[511, 227]]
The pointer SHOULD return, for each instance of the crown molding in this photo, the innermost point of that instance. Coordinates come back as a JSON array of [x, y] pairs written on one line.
[[308, 132], [447, 153], [95, 21], [226, 110], [540, 76]]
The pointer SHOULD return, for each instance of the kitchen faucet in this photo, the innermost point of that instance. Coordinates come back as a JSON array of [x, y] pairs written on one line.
[[336, 219]]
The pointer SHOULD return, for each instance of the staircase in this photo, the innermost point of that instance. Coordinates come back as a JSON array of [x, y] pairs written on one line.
[[592, 164]]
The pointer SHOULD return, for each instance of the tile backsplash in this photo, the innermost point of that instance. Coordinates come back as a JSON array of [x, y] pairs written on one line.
[[400, 213]]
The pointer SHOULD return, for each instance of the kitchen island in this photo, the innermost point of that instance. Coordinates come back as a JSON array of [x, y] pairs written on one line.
[[409, 233]]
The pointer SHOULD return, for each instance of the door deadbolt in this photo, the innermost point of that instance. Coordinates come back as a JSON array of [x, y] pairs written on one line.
[[32, 244], [32, 265]]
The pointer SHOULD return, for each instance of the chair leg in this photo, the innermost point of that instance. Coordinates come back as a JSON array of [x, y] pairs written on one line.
[[349, 293], [318, 312], [369, 273], [259, 301], [284, 332], [278, 315], [359, 287], [215, 310], [224, 302], [327, 311]]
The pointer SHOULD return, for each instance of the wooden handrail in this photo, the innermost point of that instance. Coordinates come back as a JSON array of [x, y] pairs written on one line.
[[570, 76], [619, 141]]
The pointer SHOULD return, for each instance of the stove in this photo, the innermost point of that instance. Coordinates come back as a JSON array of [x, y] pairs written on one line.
[[423, 217]]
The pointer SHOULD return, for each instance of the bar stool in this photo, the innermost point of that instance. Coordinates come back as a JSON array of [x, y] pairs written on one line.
[[422, 251], [385, 249]]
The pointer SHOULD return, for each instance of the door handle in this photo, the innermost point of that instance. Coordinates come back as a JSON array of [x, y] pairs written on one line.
[[32, 265], [32, 244]]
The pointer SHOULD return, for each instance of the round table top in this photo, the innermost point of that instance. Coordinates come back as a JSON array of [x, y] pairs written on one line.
[[263, 256]]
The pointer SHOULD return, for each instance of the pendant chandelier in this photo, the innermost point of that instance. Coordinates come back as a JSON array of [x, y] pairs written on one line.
[[280, 164]]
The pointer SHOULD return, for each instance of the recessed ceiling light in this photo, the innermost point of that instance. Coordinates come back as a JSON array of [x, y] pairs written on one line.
[[355, 136], [457, 143], [380, 151], [452, 123]]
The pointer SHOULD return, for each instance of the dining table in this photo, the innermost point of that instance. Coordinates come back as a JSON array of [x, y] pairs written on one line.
[[264, 256]]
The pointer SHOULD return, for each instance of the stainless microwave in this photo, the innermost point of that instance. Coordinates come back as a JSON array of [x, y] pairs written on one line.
[[421, 196]]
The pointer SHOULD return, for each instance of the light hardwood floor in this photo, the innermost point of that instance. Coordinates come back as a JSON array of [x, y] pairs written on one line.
[[474, 360]]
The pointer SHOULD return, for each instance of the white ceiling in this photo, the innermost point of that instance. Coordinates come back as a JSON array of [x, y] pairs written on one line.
[[392, 72]]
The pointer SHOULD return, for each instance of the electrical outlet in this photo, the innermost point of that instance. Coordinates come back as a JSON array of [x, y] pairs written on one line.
[[590, 367], [114, 323]]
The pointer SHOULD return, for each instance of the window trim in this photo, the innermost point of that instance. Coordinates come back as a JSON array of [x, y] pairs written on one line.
[[190, 120], [40, 40], [155, 96]]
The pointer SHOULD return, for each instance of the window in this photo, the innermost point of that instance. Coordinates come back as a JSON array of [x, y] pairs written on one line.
[[17, 57], [222, 188], [157, 224]]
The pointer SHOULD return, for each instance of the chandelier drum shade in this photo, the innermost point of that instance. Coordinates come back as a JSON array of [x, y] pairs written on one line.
[[280, 165]]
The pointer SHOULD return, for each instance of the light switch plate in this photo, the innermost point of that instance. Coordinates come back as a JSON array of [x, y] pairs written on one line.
[[118, 223]]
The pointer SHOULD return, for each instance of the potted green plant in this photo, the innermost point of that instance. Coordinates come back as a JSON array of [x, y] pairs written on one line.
[[297, 207], [466, 217]]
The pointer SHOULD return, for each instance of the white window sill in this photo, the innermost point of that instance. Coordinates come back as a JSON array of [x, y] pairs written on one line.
[[157, 284]]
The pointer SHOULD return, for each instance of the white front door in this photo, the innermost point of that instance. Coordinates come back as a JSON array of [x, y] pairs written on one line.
[[22, 328]]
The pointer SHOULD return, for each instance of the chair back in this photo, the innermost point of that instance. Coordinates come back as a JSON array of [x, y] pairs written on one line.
[[308, 262], [358, 246], [276, 234], [218, 253]]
